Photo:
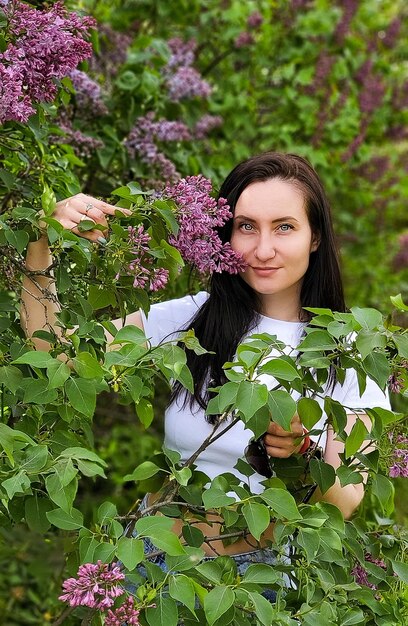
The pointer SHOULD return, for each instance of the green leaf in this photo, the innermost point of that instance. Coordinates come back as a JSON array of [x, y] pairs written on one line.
[[64, 520], [309, 540], [193, 535], [165, 613], [367, 340], [367, 318], [257, 517], [309, 411], [401, 342], [330, 549], [280, 369], [214, 498], [11, 377], [282, 407], [82, 395], [182, 590], [18, 239], [282, 503], [348, 476], [19, 483], [82, 453], [377, 367], [130, 334], [217, 602], [130, 552], [352, 616], [34, 458], [106, 513], [401, 570], [261, 574], [100, 297], [383, 490], [153, 524], [87, 547], [323, 474], [263, 608], [145, 470], [356, 437], [36, 392], [398, 302], [36, 510], [317, 340], [250, 398], [63, 496], [36, 358], [57, 373], [87, 366], [145, 412]]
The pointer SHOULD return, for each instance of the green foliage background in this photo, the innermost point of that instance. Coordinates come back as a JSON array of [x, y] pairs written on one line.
[[298, 87]]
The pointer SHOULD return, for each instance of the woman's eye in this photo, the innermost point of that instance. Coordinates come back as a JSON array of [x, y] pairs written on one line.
[[245, 226], [285, 227]]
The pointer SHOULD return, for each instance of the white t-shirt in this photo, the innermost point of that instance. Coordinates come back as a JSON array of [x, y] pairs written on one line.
[[185, 430]]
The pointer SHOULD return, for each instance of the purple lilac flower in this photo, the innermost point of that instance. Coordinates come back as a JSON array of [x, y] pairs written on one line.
[[140, 268], [125, 614], [198, 216], [113, 50], [399, 467], [45, 46], [254, 20], [374, 169], [206, 124], [243, 40], [349, 9], [324, 64], [141, 142], [83, 145], [183, 80], [95, 586], [360, 573], [392, 32], [88, 95], [400, 261]]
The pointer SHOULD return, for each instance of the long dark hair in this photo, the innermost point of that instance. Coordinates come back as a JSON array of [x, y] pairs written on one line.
[[232, 309]]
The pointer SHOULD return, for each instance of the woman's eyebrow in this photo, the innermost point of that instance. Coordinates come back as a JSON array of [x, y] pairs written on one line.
[[279, 219]]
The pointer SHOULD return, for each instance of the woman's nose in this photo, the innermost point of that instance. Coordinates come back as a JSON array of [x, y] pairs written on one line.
[[265, 249]]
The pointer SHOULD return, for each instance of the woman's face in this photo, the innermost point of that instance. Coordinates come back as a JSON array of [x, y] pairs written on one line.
[[272, 232]]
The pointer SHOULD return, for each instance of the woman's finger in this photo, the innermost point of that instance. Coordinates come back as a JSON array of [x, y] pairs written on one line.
[[108, 209]]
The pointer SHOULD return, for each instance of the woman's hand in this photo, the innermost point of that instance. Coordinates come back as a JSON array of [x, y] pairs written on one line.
[[280, 443], [70, 212]]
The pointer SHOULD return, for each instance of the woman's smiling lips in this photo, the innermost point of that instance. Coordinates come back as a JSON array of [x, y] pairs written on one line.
[[264, 271]]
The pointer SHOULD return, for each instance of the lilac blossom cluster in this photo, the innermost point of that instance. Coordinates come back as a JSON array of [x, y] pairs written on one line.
[[44, 46], [199, 215], [349, 10], [360, 574], [206, 124], [95, 586], [182, 80], [83, 145], [245, 38], [140, 268], [399, 467], [400, 261], [88, 95], [141, 141], [125, 614], [113, 50]]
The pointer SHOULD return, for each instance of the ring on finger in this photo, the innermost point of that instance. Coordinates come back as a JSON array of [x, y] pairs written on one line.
[[88, 207]]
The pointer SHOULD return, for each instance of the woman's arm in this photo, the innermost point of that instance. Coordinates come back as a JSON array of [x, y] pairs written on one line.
[[39, 301], [282, 444], [349, 497]]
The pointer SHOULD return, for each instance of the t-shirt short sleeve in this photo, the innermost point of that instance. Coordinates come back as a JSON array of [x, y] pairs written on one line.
[[348, 394], [165, 319]]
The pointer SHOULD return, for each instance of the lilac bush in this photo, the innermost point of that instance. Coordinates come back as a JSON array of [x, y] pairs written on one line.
[[42, 47], [96, 586]]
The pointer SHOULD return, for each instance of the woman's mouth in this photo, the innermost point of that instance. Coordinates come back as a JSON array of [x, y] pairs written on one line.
[[264, 271]]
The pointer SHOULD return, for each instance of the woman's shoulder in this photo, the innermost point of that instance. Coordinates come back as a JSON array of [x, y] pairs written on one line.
[[165, 319]]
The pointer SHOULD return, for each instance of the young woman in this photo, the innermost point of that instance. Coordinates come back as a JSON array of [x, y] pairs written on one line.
[[282, 227]]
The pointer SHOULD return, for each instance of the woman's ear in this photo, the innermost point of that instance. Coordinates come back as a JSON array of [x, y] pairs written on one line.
[[315, 242]]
